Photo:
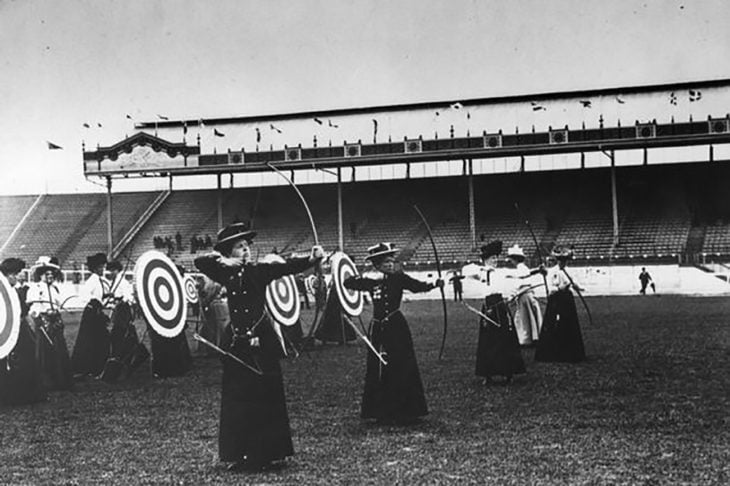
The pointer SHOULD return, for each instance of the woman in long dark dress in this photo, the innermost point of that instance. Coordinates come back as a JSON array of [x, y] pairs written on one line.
[[45, 305], [498, 349], [560, 338], [127, 352], [91, 349], [254, 424], [394, 392], [21, 381]]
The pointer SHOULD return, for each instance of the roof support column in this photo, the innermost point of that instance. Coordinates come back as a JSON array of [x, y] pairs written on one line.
[[340, 234], [472, 217], [109, 226], [219, 202]]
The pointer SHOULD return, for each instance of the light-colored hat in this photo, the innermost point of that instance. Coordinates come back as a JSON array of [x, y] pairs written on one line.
[[381, 250], [515, 251], [46, 263]]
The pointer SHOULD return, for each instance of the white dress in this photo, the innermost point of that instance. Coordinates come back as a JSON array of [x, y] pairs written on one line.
[[528, 316]]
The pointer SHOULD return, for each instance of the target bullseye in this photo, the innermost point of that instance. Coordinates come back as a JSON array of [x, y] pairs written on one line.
[[9, 317], [191, 289], [342, 269], [160, 293], [282, 297]]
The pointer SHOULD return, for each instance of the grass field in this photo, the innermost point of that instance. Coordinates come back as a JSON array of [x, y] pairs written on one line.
[[650, 406]]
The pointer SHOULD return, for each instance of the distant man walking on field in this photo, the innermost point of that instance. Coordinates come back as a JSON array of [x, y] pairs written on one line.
[[645, 280]]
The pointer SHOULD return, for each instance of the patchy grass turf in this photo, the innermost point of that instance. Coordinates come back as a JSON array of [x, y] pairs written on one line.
[[650, 406]]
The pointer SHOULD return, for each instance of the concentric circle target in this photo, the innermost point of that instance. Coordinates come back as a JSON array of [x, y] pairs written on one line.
[[309, 283], [160, 293], [342, 268], [9, 317], [191, 289], [282, 296]]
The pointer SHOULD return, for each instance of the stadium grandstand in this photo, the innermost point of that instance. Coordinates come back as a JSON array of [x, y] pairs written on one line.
[[643, 192]]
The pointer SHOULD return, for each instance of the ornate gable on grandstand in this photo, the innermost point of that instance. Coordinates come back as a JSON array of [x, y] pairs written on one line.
[[140, 152]]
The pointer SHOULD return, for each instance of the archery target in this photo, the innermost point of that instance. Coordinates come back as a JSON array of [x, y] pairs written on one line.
[[9, 317], [309, 284], [342, 268], [161, 293], [191, 289], [282, 296]]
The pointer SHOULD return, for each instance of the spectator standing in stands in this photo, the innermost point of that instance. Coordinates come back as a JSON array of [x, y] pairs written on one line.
[[254, 424], [456, 282], [178, 241], [645, 280], [560, 338], [193, 244], [208, 243], [394, 392], [21, 381], [498, 349]]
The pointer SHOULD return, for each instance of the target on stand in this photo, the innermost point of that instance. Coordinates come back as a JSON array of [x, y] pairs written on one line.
[[342, 268], [282, 296], [160, 293], [191, 289], [309, 281], [9, 317]]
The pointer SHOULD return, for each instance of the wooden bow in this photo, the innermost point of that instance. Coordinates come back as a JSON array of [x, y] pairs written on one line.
[[438, 270]]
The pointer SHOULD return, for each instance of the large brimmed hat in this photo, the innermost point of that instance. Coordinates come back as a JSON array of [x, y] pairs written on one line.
[[515, 252], [562, 253], [113, 265], [231, 233], [12, 265], [380, 251], [491, 249], [45, 263], [95, 260]]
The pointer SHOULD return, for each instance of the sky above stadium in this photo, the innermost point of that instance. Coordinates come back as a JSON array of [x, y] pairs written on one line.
[[108, 64]]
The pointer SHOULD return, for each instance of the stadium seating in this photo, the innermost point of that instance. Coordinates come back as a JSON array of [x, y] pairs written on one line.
[[660, 210]]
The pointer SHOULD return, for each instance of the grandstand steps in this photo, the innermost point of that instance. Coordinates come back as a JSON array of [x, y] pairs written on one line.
[[14, 210], [93, 214], [139, 221]]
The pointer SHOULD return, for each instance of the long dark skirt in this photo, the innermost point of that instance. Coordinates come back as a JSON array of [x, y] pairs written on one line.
[[498, 349], [127, 352], [170, 356], [215, 319], [560, 337], [53, 356], [254, 423], [393, 391], [332, 328], [21, 381], [91, 349]]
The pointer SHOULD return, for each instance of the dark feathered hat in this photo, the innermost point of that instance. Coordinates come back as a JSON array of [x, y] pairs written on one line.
[[491, 249], [231, 233], [95, 260], [562, 253], [114, 265], [10, 266]]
